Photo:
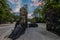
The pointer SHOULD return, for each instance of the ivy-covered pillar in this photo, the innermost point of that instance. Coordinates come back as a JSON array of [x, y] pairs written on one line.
[[23, 16]]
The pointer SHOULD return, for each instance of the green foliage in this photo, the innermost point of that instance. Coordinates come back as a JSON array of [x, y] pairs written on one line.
[[5, 14], [49, 5], [52, 11], [39, 11]]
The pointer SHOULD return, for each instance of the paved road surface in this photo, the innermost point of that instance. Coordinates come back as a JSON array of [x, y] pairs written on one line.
[[38, 33], [5, 27]]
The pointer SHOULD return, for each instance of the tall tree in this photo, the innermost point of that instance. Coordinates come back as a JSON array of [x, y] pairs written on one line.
[[38, 13], [52, 11], [5, 14]]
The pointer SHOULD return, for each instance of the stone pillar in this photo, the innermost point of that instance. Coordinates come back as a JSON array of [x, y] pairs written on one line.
[[23, 16]]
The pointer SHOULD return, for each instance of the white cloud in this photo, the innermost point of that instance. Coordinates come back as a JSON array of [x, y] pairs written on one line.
[[11, 1], [17, 8], [30, 15], [31, 4], [16, 2], [35, 2]]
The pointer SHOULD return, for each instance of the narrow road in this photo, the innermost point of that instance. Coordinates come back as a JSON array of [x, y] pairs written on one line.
[[38, 33]]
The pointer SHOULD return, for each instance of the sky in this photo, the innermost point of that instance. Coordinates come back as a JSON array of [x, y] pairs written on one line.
[[15, 5]]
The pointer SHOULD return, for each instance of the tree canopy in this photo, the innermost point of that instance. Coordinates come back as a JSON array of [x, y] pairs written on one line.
[[5, 14]]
